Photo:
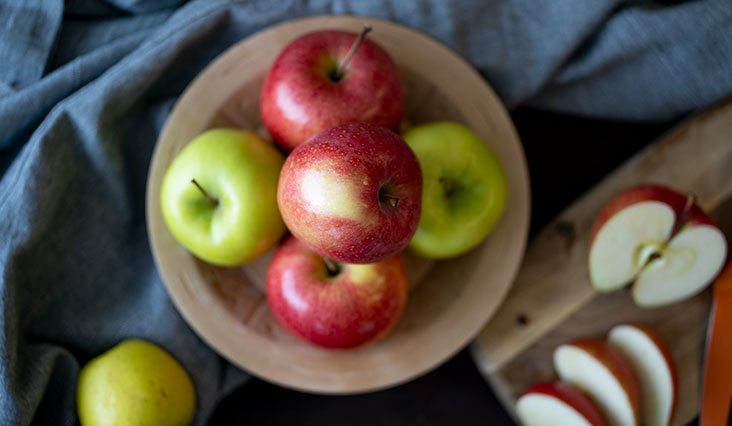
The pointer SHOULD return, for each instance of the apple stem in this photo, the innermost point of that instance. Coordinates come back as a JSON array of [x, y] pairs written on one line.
[[211, 200], [354, 46], [394, 201], [690, 200], [684, 215], [332, 267], [447, 185]]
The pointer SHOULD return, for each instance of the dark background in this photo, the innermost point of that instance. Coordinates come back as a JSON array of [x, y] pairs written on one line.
[[566, 157]]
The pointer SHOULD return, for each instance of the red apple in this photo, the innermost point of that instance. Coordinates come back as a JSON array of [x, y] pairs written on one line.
[[661, 240], [557, 403], [334, 305], [653, 362], [352, 193], [603, 373], [313, 86]]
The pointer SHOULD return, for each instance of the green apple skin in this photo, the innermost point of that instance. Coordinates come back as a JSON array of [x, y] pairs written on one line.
[[463, 193], [136, 383], [240, 171]]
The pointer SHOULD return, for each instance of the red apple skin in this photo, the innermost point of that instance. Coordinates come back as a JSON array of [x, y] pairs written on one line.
[[618, 365], [696, 216], [666, 352], [639, 194], [299, 99], [571, 396], [332, 190], [358, 306]]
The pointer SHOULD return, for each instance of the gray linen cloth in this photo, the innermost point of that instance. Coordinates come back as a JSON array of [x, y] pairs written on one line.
[[86, 85]]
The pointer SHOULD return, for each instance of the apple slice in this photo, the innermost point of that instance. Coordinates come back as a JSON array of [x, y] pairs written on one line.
[[603, 373], [557, 403], [686, 265], [658, 238], [656, 371], [628, 230]]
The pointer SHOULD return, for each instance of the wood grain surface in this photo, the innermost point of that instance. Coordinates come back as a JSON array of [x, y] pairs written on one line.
[[552, 300]]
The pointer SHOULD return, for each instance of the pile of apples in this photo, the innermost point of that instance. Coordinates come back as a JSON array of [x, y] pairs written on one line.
[[352, 192], [628, 379]]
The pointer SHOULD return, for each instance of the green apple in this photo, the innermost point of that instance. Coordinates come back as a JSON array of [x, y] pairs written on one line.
[[464, 189], [135, 383], [219, 196]]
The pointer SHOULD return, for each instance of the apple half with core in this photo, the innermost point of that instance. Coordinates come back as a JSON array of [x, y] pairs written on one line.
[[656, 370], [219, 196], [327, 78], [334, 305], [352, 193], [603, 373], [557, 403], [660, 240], [464, 189]]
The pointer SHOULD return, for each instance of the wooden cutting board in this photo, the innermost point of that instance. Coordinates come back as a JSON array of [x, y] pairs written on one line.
[[552, 301]]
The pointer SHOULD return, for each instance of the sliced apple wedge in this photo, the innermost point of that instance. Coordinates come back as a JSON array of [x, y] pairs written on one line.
[[656, 370], [603, 373], [557, 403], [659, 239]]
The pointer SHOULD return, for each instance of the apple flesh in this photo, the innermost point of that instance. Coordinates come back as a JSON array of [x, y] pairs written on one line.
[[219, 196], [344, 307], [603, 373], [661, 240], [352, 193], [464, 189], [687, 264], [656, 370], [557, 403], [304, 94]]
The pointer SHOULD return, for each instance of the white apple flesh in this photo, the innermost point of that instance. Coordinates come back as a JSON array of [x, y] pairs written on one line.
[[659, 239], [688, 263], [602, 372], [653, 363], [622, 247], [557, 403]]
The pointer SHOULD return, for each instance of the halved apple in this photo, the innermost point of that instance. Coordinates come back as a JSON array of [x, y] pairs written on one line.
[[656, 370], [658, 238], [557, 403], [603, 373]]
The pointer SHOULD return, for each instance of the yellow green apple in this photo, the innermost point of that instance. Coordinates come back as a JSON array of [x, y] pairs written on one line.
[[135, 383], [219, 196], [464, 189]]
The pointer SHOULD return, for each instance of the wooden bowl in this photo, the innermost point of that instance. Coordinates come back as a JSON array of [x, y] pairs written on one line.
[[447, 306]]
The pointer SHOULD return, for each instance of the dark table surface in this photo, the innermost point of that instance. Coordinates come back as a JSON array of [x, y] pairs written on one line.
[[566, 157]]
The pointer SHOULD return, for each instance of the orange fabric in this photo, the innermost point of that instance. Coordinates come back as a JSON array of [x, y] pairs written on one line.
[[718, 373]]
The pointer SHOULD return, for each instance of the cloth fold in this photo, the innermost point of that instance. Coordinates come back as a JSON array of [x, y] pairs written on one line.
[[86, 86]]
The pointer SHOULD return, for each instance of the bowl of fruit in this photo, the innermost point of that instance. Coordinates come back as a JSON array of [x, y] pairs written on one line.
[[336, 211]]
